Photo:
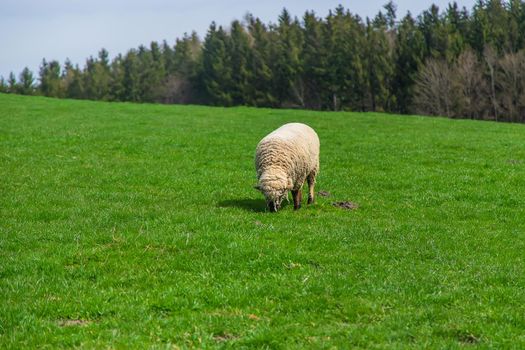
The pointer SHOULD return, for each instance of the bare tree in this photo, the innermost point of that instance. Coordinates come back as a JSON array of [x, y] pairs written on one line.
[[491, 59], [175, 89], [299, 91], [511, 83], [434, 90], [472, 87]]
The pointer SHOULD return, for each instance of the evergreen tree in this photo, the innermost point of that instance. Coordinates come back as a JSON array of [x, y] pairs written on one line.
[[72, 81], [12, 85], [89, 79], [379, 63], [50, 80], [102, 78], [261, 75], [146, 81], [117, 88], [186, 56], [348, 75], [240, 52], [286, 64], [155, 73], [516, 24], [315, 63], [180, 83], [391, 15], [490, 26], [433, 28], [408, 58], [27, 80], [168, 58], [216, 72], [3, 85], [498, 20], [131, 77], [456, 27], [478, 32]]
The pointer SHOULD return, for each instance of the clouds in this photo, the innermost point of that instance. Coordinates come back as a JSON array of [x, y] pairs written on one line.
[[57, 29]]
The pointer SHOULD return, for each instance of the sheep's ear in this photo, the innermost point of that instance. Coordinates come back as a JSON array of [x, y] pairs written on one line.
[[290, 184]]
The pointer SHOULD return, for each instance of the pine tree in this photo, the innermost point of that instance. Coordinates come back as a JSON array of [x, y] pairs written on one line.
[[456, 26], [489, 27], [216, 72], [179, 85], [168, 58], [131, 77], [146, 81], [89, 79], [12, 85], [72, 80], [478, 28], [315, 63], [408, 58], [516, 24], [379, 63], [287, 65], [97, 77], [27, 80], [434, 31], [117, 89], [156, 73], [261, 75], [186, 56], [391, 15], [498, 20], [102, 78], [50, 81], [3, 85], [348, 75], [240, 52]]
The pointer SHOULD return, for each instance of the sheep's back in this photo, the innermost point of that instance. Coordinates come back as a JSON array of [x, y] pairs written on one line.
[[293, 148]]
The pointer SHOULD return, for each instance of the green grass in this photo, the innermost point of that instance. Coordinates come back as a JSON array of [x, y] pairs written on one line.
[[134, 226]]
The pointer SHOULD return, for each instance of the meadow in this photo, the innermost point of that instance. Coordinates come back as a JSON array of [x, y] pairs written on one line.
[[137, 226]]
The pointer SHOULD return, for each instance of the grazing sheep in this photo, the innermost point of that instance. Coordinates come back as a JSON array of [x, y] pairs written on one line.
[[284, 160]]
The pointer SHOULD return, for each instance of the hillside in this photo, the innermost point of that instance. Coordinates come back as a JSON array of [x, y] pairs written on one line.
[[128, 225]]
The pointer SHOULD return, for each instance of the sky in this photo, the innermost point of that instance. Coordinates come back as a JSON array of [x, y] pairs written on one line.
[[31, 30]]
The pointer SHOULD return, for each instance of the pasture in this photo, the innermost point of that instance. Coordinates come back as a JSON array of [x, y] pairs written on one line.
[[135, 226]]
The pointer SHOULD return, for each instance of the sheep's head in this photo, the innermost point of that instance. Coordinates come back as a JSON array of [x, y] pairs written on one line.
[[274, 190]]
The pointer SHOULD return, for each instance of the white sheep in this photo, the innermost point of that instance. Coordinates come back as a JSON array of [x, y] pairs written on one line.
[[284, 160]]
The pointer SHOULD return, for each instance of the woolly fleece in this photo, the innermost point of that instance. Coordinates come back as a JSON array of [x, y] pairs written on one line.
[[285, 158]]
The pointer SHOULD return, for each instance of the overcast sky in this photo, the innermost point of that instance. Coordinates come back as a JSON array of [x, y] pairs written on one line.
[[56, 29]]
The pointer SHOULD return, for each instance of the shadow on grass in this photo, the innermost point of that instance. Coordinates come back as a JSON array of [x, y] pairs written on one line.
[[255, 205], [249, 204]]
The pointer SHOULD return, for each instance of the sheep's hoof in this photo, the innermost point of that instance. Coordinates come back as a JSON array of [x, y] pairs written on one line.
[[310, 200]]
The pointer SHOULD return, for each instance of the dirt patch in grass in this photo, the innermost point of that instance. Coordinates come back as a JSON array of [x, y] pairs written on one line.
[[468, 338], [71, 323], [324, 194], [346, 205], [223, 337]]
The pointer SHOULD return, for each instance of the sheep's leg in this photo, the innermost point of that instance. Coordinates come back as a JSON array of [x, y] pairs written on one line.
[[311, 188], [297, 196]]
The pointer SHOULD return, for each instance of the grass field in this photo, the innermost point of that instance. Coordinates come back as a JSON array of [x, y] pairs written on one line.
[[134, 226]]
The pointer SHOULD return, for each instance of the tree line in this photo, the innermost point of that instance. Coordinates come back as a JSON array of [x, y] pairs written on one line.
[[455, 62]]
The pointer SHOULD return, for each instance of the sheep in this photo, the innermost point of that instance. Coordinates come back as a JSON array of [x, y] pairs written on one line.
[[284, 160]]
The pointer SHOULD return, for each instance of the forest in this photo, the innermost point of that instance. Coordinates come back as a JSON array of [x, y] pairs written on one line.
[[454, 62]]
